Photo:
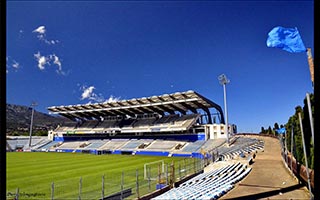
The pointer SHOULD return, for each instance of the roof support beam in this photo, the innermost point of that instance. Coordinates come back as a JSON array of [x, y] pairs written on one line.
[[182, 102]]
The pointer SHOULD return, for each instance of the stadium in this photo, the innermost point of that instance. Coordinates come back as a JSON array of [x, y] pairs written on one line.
[[184, 126]]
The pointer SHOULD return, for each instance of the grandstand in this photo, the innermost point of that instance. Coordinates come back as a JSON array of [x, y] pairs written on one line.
[[178, 124], [178, 116], [182, 123]]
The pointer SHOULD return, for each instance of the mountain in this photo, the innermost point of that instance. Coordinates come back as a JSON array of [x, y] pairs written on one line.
[[18, 118]]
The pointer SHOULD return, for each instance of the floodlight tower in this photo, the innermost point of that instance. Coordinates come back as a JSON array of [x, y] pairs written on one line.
[[32, 105], [224, 81]]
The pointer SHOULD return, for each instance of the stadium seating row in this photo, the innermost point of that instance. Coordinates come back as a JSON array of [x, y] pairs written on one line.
[[23, 142], [209, 185], [135, 146], [140, 124], [241, 148]]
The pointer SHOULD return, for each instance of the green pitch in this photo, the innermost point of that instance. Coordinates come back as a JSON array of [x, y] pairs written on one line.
[[34, 172]]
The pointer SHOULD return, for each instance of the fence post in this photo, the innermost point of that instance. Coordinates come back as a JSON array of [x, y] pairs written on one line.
[[167, 178], [286, 148], [121, 194], [179, 171], [172, 174], [159, 173], [17, 194], [185, 167], [102, 191], [148, 172], [80, 187], [137, 183], [305, 155], [52, 191]]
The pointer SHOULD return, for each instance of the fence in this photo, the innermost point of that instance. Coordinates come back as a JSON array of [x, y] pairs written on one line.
[[130, 185], [296, 168]]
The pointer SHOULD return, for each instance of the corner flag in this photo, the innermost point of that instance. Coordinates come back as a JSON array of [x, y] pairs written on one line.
[[287, 39]]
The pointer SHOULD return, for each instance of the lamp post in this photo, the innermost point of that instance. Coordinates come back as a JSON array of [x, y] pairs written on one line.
[[224, 81], [30, 134]]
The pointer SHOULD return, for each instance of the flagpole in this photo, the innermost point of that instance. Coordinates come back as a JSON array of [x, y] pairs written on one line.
[[310, 117], [311, 66]]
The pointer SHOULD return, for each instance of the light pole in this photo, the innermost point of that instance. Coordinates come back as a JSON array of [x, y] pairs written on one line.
[[223, 81], [32, 105]]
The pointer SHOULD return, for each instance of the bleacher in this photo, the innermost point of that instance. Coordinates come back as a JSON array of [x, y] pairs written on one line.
[[241, 148], [209, 185], [67, 126], [193, 146], [108, 122], [12, 144], [71, 145], [95, 144], [48, 146], [133, 144], [88, 124], [213, 143], [114, 144], [159, 145], [22, 142], [145, 123]]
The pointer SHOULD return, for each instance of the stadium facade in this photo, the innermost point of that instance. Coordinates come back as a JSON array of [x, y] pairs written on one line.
[[185, 116]]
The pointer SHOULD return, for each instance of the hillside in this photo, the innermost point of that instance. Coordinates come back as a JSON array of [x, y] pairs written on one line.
[[18, 119]]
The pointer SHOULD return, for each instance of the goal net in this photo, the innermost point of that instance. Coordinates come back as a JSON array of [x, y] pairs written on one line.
[[153, 170]]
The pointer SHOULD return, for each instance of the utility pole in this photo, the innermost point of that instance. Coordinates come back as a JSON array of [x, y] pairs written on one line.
[[30, 134]]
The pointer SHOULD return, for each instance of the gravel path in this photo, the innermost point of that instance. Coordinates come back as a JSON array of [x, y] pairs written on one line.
[[269, 178]]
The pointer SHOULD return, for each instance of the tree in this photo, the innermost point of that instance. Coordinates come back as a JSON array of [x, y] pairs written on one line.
[[294, 124], [276, 126]]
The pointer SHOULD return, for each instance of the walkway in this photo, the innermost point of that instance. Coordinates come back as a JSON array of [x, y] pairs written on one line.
[[269, 178]]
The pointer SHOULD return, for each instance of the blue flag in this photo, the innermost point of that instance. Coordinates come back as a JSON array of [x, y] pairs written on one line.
[[281, 130], [287, 39]]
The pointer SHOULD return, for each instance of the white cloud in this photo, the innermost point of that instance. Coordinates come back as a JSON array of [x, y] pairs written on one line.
[[51, 59], [41, 30], [11, 63], [87, 93], [42, 60], [112, 99], [56, 60], [15, 64]]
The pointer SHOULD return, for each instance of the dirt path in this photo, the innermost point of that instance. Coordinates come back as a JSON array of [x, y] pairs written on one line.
[[269, 178]]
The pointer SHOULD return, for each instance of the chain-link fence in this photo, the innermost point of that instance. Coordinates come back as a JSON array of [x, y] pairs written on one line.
[[129, 185]]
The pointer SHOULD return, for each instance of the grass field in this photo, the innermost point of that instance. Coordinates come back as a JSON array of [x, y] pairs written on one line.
[[34, 172]]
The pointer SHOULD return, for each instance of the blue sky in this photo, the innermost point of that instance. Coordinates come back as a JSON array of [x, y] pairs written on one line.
[[75, 52]]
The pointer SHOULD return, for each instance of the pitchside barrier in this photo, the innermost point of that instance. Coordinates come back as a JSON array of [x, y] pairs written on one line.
[[152, 177]]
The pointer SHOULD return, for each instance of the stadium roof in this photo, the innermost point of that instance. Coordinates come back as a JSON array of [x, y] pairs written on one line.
[[179, 101]]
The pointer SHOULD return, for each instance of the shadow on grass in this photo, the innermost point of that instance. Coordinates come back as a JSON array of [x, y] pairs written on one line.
[[276, 191]]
